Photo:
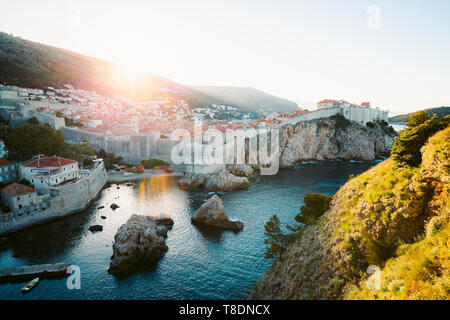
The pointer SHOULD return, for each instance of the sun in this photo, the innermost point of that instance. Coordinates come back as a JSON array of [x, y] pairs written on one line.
[[131, 70]]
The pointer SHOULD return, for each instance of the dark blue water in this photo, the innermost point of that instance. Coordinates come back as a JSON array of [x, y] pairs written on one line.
[[200, 264]]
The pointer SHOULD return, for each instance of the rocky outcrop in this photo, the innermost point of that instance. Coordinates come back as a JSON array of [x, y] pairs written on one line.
[[333, 138], [140, 239], [225, 181], [368, 218], [218, 181], [193, 181], [240, 170], [212, 214], [96, 228]]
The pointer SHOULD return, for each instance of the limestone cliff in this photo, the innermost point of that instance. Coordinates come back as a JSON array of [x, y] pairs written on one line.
[[392, 217], [333, 138]]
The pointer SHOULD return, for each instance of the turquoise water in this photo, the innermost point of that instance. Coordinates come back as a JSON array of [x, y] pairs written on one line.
[[200, 264]]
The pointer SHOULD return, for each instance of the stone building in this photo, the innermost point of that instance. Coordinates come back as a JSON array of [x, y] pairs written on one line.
[[45, 172], [17, 196], [8, 171]]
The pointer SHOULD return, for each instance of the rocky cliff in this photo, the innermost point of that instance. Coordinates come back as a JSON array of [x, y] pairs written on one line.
[[396, 218], [333, 138]]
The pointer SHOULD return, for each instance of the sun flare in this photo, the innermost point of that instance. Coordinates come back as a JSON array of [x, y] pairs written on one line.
[[131, 70]]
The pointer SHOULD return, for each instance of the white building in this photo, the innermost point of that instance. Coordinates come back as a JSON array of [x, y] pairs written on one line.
[[330, 103], [45, 172]]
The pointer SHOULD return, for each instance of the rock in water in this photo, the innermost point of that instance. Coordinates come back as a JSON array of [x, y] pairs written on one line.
[[142, 238], [240, 170], [95, 228], [225, 181], [212, 213], [193, 181]]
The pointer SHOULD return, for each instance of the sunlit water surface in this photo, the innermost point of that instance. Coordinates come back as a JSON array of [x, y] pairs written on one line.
[[200, 264]]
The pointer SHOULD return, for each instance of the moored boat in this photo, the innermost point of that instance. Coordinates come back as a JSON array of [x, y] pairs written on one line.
[[30, 285]]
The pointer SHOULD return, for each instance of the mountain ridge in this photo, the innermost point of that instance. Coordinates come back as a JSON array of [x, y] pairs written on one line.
[[31, 64]]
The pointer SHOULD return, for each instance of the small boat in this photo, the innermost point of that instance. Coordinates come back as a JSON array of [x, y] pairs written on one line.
[[168, 170], [30, 286], [158, 167]]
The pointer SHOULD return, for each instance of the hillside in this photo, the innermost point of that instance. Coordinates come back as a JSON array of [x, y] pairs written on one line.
[[397, 218], [249, 99], [440, 112], [31, 64]]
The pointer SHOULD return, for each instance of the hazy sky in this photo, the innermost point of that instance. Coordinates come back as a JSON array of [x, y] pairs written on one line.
[[395, 54]]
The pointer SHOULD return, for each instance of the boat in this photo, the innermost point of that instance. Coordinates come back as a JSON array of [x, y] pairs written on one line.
[[158, 167], [168, 170], [30, 285]]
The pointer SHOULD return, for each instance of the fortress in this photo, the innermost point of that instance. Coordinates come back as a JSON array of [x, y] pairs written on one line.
[[57, 201]]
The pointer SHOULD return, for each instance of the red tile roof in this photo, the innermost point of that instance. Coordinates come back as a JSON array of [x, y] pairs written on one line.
[[4, 162], [48, 162], [17, 189]]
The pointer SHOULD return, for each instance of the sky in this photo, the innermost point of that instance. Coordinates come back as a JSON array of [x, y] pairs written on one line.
[[395, 54]]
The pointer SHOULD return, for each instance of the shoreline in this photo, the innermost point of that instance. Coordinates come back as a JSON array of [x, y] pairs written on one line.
[[112, 178]]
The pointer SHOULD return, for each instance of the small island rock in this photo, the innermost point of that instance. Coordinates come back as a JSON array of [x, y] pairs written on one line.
[[141, 238], [212, 213]]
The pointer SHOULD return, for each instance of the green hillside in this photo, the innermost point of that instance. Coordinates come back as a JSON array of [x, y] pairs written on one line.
[[440, 112], [31, 64], [249, 99], [393, 216]]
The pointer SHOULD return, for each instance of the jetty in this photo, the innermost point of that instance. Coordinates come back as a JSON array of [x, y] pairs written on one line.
[[40, 270]]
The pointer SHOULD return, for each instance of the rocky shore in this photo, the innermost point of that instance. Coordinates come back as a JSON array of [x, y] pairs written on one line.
[[218, 181], [140, 239], [212, 214], [334, 138]]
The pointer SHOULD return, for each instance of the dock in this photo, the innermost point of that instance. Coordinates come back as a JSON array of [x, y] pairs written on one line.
[[40, 270]]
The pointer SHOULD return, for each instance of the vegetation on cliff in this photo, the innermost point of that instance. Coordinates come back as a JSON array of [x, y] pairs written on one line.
[[395, 216]]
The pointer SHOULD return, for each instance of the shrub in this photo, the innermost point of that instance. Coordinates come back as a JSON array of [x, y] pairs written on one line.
[[341, 121], [315, 205], [370, 125]]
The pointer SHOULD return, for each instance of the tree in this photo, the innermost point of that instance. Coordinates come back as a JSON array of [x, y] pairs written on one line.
[[33, 120], [417, 118], [81, 152], [316, 204], [276, 241], [29, 140], [406, 148], [148, 164]]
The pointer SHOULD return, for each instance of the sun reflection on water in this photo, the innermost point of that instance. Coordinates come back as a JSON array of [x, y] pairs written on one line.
[[160, 195]]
